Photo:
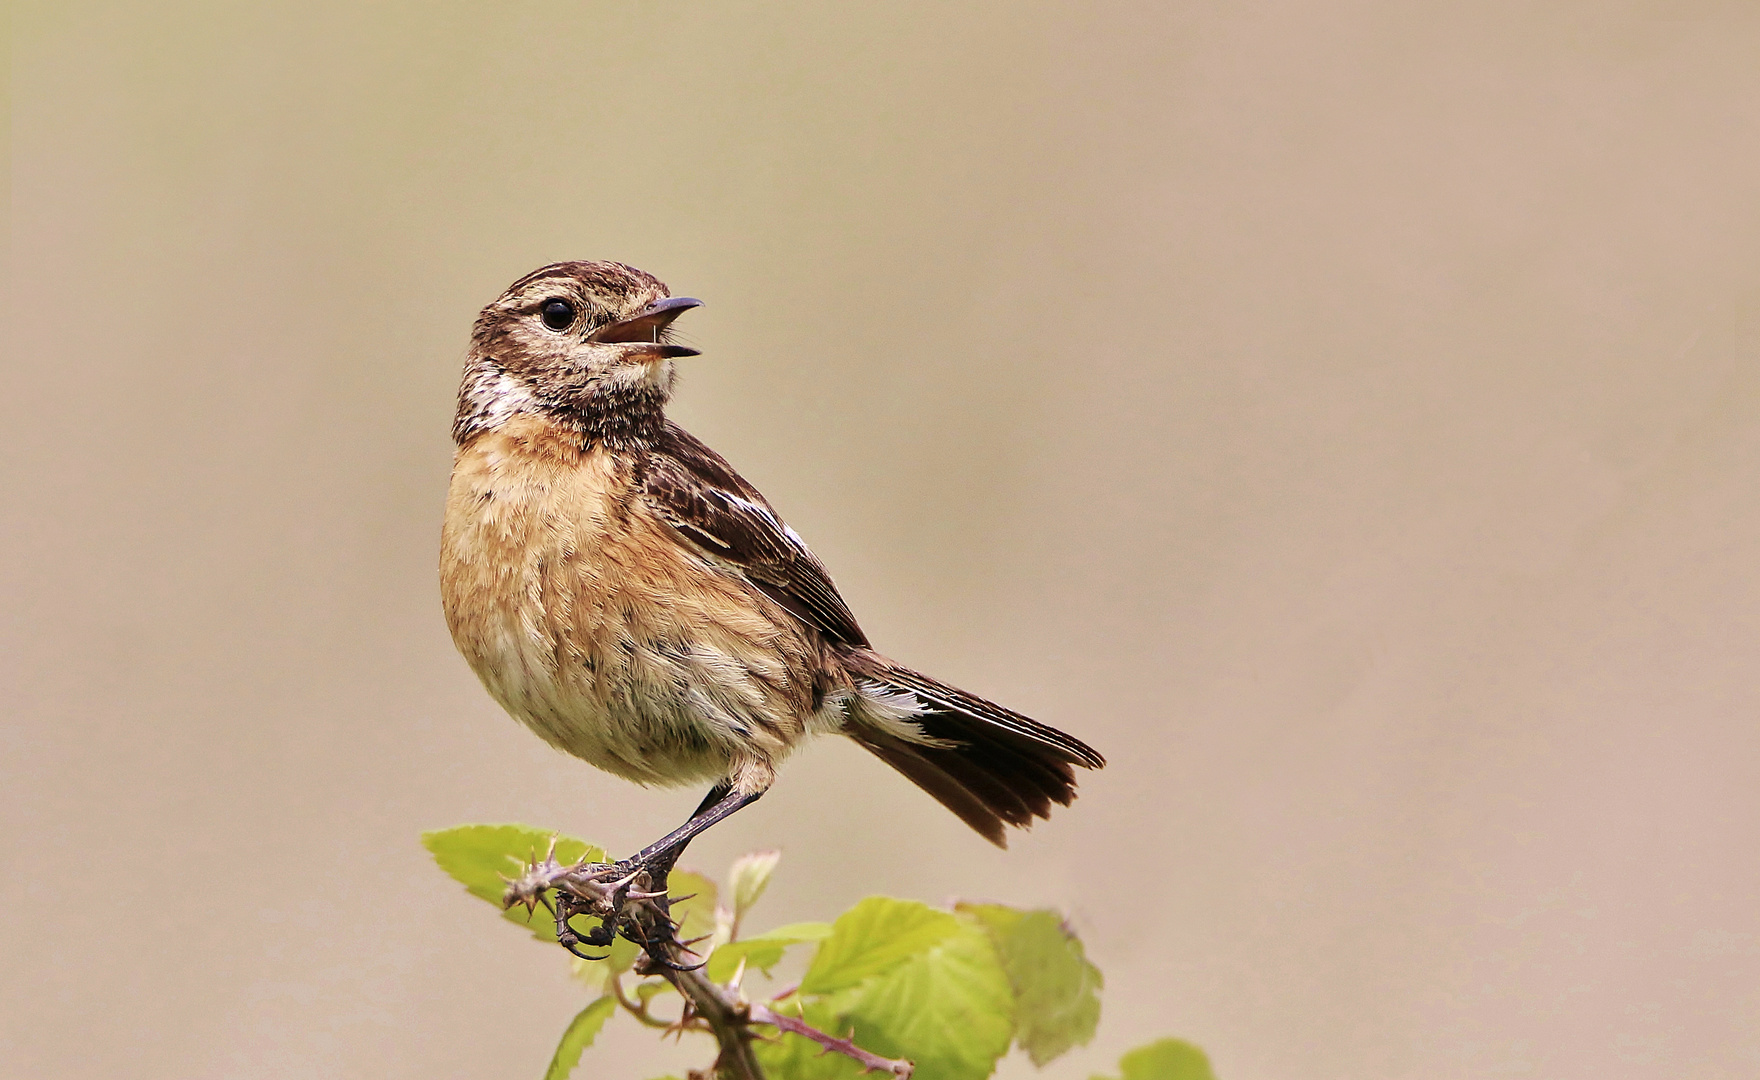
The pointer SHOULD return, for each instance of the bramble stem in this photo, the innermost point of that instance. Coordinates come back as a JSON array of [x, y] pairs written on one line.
[[763, 1014], [639, 1011], [727, 1018], [720, 1009]]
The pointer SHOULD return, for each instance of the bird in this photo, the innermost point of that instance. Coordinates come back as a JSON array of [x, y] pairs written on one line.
[[625, 594]]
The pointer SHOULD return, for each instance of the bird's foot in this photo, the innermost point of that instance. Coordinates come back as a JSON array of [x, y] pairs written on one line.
[[628, 898]]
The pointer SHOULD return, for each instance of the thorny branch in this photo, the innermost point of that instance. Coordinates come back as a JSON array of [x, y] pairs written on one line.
[[761, 1014], [636, 907]]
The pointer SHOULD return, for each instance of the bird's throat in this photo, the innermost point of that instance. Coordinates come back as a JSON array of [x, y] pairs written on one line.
[[620, 415]]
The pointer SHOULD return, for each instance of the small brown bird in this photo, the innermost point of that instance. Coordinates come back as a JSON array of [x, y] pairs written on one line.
[[629, 597]]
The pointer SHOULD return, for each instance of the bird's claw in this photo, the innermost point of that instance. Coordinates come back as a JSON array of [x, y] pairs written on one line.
[[570, 942], [661, 961], [630, 899]]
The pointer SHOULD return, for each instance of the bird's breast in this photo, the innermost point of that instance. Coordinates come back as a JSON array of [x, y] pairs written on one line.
[[588, 619]]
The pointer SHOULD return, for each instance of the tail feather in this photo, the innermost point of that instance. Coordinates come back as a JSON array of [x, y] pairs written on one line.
[[991, 766], [955, 700]]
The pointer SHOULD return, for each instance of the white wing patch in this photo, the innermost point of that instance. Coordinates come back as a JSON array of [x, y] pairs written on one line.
[[881, 708]]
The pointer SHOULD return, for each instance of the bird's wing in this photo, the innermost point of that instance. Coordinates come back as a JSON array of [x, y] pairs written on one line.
[[697, 492]]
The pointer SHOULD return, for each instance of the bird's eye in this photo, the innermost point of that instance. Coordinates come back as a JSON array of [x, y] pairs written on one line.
[[558, 314]]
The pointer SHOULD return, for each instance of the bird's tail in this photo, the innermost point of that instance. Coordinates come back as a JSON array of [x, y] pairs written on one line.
[[990, 765]]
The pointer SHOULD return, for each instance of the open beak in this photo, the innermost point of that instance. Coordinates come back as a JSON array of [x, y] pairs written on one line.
[[647, 327]]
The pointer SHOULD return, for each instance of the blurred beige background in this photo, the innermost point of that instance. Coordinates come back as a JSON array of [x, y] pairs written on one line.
[[1345, 416]]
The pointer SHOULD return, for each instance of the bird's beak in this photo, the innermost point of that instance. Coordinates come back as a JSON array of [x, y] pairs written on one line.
[[646, 328]]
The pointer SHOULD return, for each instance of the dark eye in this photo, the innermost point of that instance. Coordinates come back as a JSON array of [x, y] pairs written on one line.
[[558, 313]]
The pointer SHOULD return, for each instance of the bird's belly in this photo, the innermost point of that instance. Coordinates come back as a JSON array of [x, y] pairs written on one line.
[[593, 626], [630, 715]]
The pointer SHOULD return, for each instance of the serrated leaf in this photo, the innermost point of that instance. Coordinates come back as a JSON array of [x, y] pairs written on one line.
[[748, 878], [1057, 991], [763, 951], [1165, 1059], [874, 936], [581, 1032], [949, 1008], [481, 857], [796, 1057], [647, 990]]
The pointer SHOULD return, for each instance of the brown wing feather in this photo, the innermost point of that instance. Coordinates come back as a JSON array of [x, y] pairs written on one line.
[[696, 491]]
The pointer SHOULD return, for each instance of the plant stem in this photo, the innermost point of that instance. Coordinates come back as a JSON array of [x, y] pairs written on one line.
[[639, 1011], [727, 1018], [719, 1008], [870, 1062]]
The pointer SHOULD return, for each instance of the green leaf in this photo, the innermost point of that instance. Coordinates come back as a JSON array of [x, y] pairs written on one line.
[[876, 935], [748, 878], [1166, 1059], [1057, 991], [949, 1008], [764, 950], [482, 857], [582, 1030]]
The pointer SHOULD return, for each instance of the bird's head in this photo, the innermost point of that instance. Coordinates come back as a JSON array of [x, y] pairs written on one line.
[[586, 342]]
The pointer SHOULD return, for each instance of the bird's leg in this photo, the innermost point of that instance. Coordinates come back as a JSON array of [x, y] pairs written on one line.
[[658, 858], [655, 862]]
